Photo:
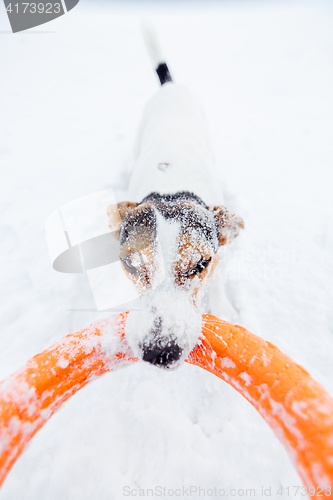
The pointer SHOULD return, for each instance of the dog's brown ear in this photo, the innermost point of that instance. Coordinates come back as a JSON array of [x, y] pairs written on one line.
[[228, 224], [117, 213]]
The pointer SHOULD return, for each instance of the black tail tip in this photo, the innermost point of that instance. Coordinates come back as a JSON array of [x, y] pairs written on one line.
[[163, 73]]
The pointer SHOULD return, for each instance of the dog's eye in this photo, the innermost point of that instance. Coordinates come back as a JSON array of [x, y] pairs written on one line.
[[200, 266], [127, 263]]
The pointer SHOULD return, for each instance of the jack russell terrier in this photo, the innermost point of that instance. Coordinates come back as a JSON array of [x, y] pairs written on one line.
[[171, 230]]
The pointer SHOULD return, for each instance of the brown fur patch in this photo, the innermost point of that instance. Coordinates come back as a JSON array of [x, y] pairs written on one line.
[[191, 250], [228, 224], [138, 245], [144, 260], [117, 214]]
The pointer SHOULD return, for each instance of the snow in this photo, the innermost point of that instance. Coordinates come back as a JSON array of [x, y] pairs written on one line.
[[71, 97]]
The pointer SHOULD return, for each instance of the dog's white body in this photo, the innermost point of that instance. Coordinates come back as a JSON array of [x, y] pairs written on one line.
[[173, 154], [173, 151]]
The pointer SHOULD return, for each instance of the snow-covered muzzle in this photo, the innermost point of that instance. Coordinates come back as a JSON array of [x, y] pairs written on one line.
[[166, 328]]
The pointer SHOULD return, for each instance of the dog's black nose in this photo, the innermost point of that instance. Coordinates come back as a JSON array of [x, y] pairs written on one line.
[[158, 350], [162, 354]]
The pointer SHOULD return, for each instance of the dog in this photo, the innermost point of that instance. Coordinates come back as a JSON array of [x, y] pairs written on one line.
[[171, 230]]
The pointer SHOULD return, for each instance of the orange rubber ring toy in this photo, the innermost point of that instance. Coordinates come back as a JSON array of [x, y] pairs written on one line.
[[296, 407], [29, 397]]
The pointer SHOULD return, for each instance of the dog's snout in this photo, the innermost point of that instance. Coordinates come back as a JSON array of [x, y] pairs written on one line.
[[159, 350]]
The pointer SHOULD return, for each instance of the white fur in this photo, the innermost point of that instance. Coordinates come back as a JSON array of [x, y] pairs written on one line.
[[173, 151]]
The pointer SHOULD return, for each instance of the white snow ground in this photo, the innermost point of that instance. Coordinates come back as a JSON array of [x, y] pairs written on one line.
[[71, 96]]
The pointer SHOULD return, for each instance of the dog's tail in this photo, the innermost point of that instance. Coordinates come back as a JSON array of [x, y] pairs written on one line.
[[155, 53]]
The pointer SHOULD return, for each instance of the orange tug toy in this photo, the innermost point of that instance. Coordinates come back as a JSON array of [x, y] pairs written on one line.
[[295, 406]]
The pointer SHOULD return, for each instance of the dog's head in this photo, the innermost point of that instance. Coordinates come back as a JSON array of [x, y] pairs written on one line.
[[168, 249]]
